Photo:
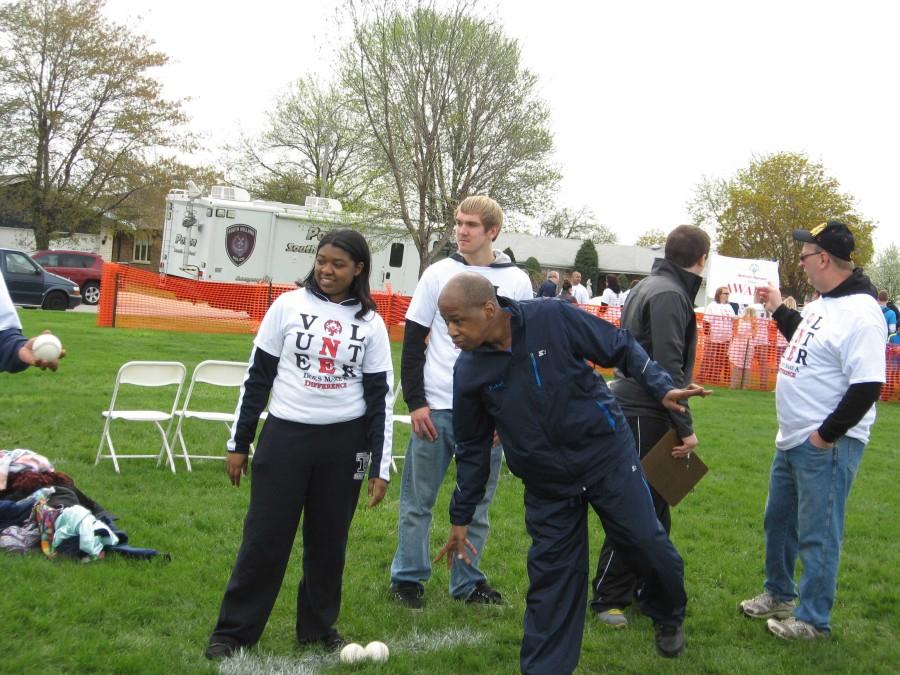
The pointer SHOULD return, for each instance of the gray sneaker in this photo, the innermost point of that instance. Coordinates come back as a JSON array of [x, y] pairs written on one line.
[[614, 618], [793, 628], [765, 606]]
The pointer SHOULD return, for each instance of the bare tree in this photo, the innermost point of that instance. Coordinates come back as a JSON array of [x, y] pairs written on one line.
[[80, 110], [450, 112], [580, 224], [313, 145], [652, 237]]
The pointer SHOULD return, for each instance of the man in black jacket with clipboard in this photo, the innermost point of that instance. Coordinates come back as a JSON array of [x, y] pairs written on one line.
[[660, 315]]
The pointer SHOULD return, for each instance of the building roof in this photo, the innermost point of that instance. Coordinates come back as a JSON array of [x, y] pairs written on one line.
[[627, 259], [551, 252], [557, 253]]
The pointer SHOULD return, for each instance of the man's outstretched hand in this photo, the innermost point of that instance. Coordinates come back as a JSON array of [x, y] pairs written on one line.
[[672, 399]]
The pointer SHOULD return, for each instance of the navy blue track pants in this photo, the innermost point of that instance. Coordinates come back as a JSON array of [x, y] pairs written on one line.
[[616, 581], [559, 555]]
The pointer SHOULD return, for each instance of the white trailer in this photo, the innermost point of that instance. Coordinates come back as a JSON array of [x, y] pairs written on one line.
[[226, 236]]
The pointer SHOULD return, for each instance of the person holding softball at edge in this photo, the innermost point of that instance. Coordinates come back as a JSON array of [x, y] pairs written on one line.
[[322, 361], [16, 352]]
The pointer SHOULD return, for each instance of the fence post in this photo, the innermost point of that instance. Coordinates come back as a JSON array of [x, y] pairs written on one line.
[[115, 302]]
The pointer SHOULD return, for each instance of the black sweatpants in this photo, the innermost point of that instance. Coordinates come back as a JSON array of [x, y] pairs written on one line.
[[616, 580], [314, 470], [559, 557]]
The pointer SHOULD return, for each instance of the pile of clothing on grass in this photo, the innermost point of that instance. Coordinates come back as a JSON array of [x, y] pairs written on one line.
[[41, 508]]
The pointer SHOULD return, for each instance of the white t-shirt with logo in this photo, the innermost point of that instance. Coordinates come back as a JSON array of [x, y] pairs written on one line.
[[839, 342], [441, 354], [323, 351]]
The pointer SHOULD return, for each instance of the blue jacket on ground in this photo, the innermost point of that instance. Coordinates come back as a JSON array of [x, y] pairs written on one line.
[[558, 420]]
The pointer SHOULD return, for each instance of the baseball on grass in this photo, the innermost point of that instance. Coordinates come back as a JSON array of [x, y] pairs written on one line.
[[353, 653], [377, 651], [46, 347]]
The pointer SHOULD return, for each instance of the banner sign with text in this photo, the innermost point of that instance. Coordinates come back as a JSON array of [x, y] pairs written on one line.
[[740, 275]]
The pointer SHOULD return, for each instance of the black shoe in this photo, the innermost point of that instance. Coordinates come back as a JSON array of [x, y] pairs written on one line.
[[409, 594], [333, 642], [669, 640], [483, 594], [216, 651]]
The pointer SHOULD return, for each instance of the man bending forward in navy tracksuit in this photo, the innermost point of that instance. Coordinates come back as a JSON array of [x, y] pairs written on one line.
[[523, 372]]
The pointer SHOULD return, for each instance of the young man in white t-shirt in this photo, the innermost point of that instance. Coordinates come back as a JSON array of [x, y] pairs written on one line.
[[829, 378], [427, 383]]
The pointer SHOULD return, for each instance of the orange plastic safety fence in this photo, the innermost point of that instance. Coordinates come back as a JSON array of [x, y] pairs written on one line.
[[134, 298], [741, 353], [891, 390], [745, 353]]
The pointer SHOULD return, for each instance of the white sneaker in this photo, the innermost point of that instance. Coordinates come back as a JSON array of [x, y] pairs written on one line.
[[793, 628], [765, 606]]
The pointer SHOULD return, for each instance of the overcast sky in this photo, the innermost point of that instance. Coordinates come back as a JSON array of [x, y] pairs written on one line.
[[646, 98]]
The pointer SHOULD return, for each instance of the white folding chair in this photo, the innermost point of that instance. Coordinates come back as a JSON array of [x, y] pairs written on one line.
[[143, 374], [215, 374], [402, 419]]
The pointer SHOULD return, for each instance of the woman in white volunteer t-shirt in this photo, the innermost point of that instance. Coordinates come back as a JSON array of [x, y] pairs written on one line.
[[718, 327], [322, 361]]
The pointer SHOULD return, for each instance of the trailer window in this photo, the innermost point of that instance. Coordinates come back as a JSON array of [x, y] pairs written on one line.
[[396, 259]]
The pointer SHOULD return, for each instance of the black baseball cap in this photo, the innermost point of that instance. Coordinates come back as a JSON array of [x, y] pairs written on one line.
[[833, 236]]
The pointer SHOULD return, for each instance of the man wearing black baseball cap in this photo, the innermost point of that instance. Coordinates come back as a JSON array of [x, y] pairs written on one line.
[[829, 378], [834, 237]]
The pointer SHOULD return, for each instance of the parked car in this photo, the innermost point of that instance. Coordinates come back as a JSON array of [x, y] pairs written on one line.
[[85, 269], [31, 285]]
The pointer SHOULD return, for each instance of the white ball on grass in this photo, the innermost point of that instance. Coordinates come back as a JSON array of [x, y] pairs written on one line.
[[46, 347], [377, 651], [353, 653]]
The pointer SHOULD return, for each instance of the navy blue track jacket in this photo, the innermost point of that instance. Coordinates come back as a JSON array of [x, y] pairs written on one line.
[[558, 420]]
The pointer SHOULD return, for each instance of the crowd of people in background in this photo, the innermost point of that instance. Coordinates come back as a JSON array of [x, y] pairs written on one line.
[[740, 346]]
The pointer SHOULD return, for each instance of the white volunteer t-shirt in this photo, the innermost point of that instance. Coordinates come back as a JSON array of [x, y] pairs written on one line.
[[720, 317], [441, 354], [324, 351], [581, 295], [839, 342], [610, 297], [9, 318]]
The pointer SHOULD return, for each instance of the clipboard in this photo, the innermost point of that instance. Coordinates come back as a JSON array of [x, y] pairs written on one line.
[[672, 477]]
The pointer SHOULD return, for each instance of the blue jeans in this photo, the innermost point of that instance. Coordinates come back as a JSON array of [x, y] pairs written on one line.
[[423, 472], [808, 491]]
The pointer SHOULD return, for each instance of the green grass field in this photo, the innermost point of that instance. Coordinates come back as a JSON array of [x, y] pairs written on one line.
[[148, 617]]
